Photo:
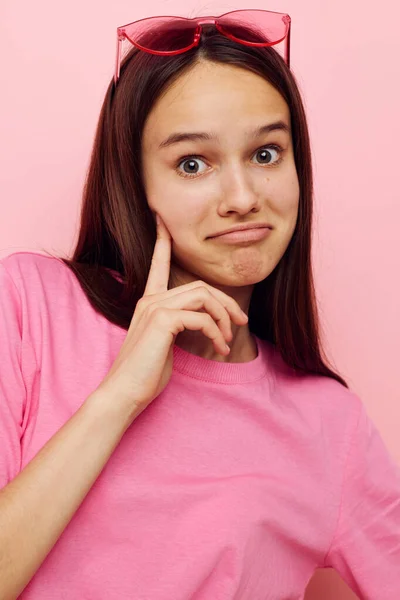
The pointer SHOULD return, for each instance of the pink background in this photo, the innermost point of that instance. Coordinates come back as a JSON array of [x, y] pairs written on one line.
[[57, 60]]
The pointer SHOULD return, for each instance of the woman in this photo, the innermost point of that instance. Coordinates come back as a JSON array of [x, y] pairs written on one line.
[[140, 457]]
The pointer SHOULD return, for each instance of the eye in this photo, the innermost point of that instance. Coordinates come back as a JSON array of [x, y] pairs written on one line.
[[190, 161], [265, 152]]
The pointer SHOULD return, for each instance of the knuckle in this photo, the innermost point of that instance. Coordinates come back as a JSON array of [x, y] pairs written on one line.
[[205, 293], [201, 285], [213, 323], [202, 288], [149, 305], [208, 318], [144, 301], [141, 303], [158, 313]]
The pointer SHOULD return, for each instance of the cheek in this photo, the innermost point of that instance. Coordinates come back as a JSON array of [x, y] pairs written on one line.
[[183, 223], [181, 212], [285, 199]]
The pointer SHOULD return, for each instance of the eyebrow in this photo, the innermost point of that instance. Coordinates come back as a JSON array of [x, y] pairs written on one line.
[[176, 138]]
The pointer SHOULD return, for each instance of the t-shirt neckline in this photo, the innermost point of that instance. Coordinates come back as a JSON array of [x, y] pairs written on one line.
[[198, 367]]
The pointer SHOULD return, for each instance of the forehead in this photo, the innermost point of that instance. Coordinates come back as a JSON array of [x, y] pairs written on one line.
[[214, 97]]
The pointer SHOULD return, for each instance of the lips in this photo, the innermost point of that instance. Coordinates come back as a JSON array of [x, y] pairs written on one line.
[[243, 228], [244, 236]]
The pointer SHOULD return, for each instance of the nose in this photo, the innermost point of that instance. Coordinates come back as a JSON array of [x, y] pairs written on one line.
[[239, 194]]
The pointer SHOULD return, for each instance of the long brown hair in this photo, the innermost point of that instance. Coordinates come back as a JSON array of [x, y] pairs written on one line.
[[112, 256]]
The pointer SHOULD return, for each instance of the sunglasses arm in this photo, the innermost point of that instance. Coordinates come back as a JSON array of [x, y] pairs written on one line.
[[120, 37], [287, 52]]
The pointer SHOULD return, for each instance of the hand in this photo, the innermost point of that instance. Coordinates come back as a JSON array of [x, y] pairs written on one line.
[[144, 364]]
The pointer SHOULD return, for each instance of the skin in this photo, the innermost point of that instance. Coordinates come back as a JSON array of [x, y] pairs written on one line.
[[231, 182]]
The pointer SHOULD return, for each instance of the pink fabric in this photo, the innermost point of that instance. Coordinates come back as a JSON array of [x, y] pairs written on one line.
[[237, 482]]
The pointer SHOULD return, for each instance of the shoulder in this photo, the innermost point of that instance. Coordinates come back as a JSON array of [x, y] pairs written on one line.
[[42, 285], [35, 275], [321, 402], [26, 265]]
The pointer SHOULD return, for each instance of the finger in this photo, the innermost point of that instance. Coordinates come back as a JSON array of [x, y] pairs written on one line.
[[194, 321], [157, 281], [198, 299], [229, 303], [231, 306]]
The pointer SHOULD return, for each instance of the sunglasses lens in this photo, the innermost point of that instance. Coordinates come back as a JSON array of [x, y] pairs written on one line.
[[171, 34], [162, 34], [255, 26]]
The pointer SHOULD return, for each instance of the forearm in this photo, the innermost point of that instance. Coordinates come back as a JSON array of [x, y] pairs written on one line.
[[38, 504]]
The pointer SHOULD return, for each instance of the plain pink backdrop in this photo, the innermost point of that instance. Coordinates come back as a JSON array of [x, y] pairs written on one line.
[[56, 62]]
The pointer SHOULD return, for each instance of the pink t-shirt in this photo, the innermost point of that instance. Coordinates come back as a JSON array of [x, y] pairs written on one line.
[[237, 482]]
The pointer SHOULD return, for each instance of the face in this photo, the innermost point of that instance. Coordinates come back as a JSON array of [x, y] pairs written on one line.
[[203, 186]]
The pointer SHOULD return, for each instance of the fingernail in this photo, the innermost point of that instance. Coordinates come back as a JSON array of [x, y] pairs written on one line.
[[158, 219], [244, 314]]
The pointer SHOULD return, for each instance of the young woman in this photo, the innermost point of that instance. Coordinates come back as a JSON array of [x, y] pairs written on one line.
[[141, 457]]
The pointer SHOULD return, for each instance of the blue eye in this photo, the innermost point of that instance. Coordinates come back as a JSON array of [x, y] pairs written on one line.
[[193, 159]]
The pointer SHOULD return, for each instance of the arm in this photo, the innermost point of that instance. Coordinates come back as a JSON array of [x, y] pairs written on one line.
[[37, 505], [365, 549]]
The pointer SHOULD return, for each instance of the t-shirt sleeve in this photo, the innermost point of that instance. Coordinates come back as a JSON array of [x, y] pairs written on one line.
[[365, 549], [12, 388]]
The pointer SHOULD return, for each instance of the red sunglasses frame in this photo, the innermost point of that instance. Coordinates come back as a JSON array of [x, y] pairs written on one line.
[[123, 33]]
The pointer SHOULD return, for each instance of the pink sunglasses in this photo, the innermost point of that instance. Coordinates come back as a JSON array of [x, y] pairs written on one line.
[[174, 35]]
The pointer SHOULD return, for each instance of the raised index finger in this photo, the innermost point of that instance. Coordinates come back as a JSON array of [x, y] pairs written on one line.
[[157, 280]]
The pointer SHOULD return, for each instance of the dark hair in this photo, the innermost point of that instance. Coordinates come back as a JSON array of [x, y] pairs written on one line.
[[113, 253]]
